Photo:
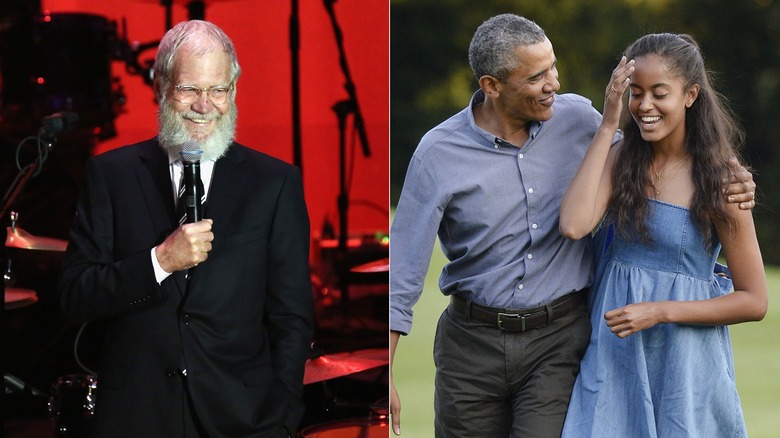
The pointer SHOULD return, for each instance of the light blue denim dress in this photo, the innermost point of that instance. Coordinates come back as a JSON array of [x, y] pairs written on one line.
[[670, 380]]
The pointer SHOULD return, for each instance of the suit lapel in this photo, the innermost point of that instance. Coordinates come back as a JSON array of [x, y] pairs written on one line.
[[154, 180], [227, 182]]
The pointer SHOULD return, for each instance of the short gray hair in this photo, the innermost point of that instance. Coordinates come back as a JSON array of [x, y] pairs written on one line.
[[492, 49]]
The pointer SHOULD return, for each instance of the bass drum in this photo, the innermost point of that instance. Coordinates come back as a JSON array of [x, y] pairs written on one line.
[[353, 428], [72, 405], [58, 62]]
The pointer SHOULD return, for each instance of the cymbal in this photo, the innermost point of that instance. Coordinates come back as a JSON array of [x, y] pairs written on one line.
[[376, 266], [331, 366], [18, 238], [17, 297]]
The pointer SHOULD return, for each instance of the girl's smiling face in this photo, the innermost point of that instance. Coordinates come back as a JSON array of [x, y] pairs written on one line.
[[658, 101]]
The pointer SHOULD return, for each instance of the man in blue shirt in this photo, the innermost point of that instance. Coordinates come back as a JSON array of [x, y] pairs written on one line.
[[489, 182]]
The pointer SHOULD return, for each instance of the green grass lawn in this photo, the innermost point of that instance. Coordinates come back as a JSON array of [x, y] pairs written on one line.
[[756, 355]]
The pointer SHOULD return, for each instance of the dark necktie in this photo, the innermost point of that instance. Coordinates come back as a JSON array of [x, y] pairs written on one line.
[[181, 210]]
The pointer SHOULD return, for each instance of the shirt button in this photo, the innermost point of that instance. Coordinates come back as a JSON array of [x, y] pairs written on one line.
[[530, 256], [520, 286], [521, 155], [495, 146], [530, 190], [534, 226], [186, 319]]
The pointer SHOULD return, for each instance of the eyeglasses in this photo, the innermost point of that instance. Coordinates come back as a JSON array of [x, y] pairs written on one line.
[[189, 94]]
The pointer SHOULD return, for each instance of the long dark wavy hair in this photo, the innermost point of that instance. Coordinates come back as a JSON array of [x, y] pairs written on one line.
[[712, 137]]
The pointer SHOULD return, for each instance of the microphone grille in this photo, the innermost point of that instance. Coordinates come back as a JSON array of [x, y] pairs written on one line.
[[191, 152]]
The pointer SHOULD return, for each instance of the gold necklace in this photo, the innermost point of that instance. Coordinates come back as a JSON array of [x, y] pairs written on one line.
[[658, 175]]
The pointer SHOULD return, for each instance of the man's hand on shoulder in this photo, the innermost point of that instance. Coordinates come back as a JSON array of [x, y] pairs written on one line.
[[741, 188]]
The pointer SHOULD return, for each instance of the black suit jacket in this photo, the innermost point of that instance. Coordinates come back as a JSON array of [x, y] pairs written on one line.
[[241, 325]]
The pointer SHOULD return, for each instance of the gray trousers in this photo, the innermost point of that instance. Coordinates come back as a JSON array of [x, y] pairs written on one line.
[[493, 383]]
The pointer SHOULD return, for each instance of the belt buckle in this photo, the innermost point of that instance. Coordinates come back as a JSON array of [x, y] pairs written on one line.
[[522, 318]]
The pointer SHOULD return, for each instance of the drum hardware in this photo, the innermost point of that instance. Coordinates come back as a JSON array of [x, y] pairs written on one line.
[[350, 398], [130, 52], [72, 404], [352, 428], [364, 267], [51, 126], [73, 398], [18, 238], [331, 366], [9, 278], [381, 408], [21, 399], [376, 272], [378, 266], [16, 298]]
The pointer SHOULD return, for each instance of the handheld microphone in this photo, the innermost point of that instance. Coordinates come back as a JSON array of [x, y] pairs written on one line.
[[57, 123], [191, 153]]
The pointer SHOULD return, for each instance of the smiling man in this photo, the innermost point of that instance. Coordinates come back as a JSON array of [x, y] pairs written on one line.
[[208, 324], [489, 182]]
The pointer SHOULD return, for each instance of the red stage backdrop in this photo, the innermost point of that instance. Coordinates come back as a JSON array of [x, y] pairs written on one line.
[[260, 30]]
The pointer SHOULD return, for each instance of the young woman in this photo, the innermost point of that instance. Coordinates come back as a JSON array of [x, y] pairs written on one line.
[[659, 362]]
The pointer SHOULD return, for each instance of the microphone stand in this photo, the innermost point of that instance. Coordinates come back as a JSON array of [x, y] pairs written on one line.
[[51, 126], [349, 85], [343, 109], [196, 10], [168, 5], [22, 178], [295, 48]]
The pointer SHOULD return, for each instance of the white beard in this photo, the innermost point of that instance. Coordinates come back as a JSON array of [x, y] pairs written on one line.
[[173, 134]]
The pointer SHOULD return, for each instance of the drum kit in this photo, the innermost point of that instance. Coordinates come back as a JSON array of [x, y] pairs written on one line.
[[367, 419], [16, 297], [20, 241], [341, 364]]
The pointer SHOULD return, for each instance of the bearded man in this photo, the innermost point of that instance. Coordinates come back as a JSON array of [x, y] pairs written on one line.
[[208, 323]]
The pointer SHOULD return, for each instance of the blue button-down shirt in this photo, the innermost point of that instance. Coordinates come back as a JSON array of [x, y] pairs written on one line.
[[495, 208]]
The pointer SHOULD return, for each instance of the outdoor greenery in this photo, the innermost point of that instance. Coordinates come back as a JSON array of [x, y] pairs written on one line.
[[756, 361], [431, 79]]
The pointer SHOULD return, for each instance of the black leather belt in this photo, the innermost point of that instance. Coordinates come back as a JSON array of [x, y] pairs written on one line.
[[522, 319]]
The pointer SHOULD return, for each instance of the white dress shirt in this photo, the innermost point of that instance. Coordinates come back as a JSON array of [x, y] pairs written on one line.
[[176, 168]]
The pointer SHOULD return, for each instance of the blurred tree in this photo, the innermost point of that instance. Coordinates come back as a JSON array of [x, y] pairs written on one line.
[[431, 78]]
